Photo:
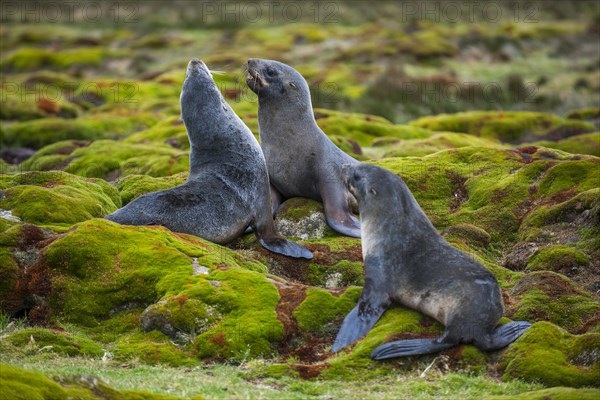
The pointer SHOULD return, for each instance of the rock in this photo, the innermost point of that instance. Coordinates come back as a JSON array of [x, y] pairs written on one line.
[[302, 218], [518, 255], [16, 155]]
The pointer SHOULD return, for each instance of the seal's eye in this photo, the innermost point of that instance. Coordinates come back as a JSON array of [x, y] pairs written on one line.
[[357, 176], [270, 71], [292, 84]]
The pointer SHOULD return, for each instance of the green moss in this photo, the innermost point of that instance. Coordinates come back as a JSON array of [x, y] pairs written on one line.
[[53, 156], [584, 113], [553, 357], [471, 234], [435, 143], [171, 131], [101, 268], [566, 212], [152, 348], [27, 59], [37, 340], [556, 258], [320, 311], [342, 274], [468, 185], [133, 186], [364, 129], [9, 270], [556, 393], [510, 126], [250, 327], [552, 297], [355, 362], [587, 143], [41, 132], [110, 159], [579, 176], [57, 197], [20, 384]]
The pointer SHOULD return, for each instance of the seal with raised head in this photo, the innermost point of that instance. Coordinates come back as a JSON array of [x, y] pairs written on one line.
[[302, 160], [409, 262], [228, 186]]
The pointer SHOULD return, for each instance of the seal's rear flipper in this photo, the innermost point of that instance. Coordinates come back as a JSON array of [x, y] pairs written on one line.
[[337, 210], [411, 347], [503, 335], [348, 225], [285, 247]]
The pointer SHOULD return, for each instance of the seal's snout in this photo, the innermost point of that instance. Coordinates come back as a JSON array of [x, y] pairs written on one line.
[[254, 77], [196, 65]]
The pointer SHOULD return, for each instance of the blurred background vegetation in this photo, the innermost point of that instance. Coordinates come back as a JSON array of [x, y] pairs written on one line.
[[399, 60]]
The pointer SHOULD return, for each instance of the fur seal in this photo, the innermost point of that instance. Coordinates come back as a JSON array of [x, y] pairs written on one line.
[[228, 186], [302, 160], [408, 261]]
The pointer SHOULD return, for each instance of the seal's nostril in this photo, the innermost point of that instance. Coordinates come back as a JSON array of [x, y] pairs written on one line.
[[195, 61]]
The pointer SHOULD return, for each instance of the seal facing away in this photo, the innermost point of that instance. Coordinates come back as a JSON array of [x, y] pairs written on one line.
[[302, 160], [407, 261], [228, 186]]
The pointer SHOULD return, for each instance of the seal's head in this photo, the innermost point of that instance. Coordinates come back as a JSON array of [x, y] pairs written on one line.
[[277, 81], [199, 95], [369, 182], [199, 90]]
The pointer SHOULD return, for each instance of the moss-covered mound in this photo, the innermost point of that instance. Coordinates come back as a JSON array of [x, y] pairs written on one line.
[[27, 59], [547, 354], [20, 384], [364, 129], [109, 159], [35, 340], [170, 131], [133, 186], [510, 126], [587, 143], [558, 258], [56, 198], [41, 132], [436, 142], [493, 189], [548, 296]]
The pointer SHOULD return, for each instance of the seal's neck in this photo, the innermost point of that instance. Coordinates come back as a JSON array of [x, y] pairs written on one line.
[[275, 115]]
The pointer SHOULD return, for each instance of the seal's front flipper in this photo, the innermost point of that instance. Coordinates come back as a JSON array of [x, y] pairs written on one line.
[[411, 347], [374, 300], [355, 326], [337, 210], [285, 247], [503, 336]]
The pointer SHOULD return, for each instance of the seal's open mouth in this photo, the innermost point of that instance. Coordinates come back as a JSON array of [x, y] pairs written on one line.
[[254, 79]]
